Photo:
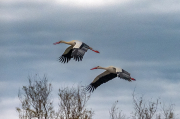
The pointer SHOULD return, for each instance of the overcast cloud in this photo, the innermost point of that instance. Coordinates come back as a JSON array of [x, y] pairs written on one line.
[[139, 36]]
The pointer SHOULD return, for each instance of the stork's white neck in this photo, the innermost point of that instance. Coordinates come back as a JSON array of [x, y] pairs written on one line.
[[105, 68], [69, 43]]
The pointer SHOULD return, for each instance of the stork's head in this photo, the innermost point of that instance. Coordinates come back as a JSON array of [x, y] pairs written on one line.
[[57, 42]]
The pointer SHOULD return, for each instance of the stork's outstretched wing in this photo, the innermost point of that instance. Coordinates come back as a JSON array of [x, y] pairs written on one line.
[[79, 52], [124, 75], [100, 79], [67, 55]]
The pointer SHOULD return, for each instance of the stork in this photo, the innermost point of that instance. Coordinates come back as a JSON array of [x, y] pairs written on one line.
[[76, 50], [110, 73]]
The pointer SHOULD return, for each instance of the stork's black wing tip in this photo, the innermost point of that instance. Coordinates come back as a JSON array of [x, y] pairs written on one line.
[[64, 59], [90, 88]]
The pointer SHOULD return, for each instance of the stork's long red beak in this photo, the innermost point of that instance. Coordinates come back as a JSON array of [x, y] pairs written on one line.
[[133, 79], [57, 42], [94, 68]]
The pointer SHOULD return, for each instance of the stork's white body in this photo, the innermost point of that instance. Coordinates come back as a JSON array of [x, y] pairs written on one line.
[[77, 44]]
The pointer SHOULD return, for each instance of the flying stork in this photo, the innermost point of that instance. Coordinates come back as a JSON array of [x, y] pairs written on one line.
[[110, 73], [76, 50]]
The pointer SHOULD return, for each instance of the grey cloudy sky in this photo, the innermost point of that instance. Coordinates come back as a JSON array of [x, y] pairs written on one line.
[[139, 36]]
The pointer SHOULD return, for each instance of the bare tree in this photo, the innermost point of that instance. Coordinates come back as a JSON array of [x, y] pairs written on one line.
[[73, 104], [144, 110], [148, 110], [115, 113], [168, 112], [35, 99]]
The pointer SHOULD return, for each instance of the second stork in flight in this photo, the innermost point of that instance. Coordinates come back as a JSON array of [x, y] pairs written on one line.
[[110, 73], [76, 50]]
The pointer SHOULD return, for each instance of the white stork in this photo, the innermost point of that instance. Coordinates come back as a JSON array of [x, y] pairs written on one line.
[[76, 51], [110, 73]]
